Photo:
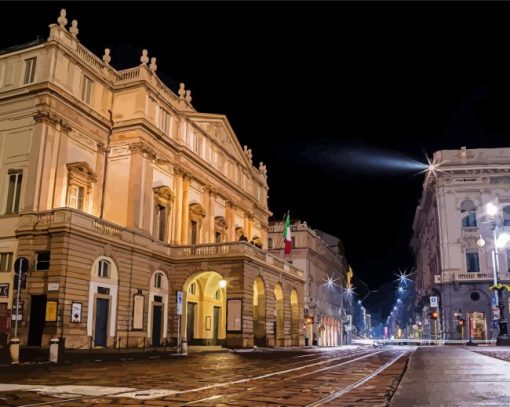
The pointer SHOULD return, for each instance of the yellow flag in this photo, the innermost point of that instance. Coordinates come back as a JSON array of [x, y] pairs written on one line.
[[349, 276]]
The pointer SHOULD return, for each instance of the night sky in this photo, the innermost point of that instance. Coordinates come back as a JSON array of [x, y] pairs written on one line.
[[326, 95]]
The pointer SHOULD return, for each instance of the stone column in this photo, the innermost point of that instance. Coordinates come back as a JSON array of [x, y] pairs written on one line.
[[212, 199], [135, 194], [177, 210], [98, 187], [59, 187], [204, 233], [231, 230], [185, 210]]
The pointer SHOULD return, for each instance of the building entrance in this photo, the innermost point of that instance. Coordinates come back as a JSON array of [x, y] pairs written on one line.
[[37, 314], [156, 325], [102, 305], [478, 325]]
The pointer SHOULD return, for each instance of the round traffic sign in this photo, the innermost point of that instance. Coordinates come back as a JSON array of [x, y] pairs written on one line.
[[21, 264]]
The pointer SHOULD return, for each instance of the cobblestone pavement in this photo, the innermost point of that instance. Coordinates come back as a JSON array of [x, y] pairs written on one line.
[[502, 352], [352, 377]]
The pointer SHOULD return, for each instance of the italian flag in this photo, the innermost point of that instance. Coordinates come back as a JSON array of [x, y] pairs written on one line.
[[286, 235]]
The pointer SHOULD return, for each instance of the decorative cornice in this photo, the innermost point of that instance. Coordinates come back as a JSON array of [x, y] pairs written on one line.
[[43, 116], [143, 148]]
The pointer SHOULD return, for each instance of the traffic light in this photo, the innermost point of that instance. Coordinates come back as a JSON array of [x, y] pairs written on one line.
[[434, 315]]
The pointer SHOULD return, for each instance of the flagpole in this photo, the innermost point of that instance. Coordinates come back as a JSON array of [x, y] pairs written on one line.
[[280, 239]]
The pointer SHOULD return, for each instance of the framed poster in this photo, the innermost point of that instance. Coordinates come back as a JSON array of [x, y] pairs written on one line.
[[234, 315], [51, 311], [208, 323], [4, 290], [76, 312], [138, 311]]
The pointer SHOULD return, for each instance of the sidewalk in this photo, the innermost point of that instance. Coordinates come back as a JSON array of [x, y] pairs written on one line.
[[453, 376]]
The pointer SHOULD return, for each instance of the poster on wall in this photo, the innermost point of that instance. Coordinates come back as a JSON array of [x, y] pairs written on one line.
[[51, 311], [76, 312], [234, 315], [138, 312]]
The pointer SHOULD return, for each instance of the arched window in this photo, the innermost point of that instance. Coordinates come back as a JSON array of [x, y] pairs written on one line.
[[217, 295], [469, 208], [192, 288], [103, 268], [158, 278]]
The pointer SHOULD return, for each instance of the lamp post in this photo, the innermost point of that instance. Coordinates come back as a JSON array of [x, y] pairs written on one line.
[[499, 240]]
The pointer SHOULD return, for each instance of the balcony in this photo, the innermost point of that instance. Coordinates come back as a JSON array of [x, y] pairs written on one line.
[[68, 219]]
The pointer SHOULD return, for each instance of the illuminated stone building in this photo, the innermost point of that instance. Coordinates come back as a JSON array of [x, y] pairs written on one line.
[[317, 254], [450, 219], [120, 194]]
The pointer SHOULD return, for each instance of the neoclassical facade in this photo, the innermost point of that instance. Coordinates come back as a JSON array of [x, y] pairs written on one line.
[[317, 254], [449, 220], [120, 194]]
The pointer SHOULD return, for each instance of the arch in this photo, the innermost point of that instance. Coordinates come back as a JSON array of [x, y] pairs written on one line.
[[469, 208], [279, 307], [220, 228], [294, 317], [204, 314], [259, 312], [196, 216], [157, 318], [103, 297]]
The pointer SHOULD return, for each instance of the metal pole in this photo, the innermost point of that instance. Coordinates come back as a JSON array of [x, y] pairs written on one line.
[[178, 332], [435, 329], [17, 297]]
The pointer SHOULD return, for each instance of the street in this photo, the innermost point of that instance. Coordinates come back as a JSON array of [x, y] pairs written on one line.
[[337, 376]]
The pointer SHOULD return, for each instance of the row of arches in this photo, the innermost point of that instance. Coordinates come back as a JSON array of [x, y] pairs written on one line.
[[204, 321]]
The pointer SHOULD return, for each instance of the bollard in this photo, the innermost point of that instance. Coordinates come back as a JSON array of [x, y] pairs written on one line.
[[54, 350], [184, 346], [14, 350]]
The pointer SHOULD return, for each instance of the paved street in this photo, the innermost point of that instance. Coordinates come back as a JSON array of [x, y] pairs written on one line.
[[355, 376]]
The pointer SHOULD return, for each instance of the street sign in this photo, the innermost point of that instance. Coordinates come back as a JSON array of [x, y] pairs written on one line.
[[180, 297], [433, 302], [21, 265]]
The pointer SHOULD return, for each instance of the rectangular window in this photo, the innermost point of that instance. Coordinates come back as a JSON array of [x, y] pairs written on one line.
[[103, 269], [164, 121], [42, 261], [161, 223], [194, 232], [14, 191], [472, 262], [270, 243], [29, 71], [75, 197], [5, 262], [86, 89]]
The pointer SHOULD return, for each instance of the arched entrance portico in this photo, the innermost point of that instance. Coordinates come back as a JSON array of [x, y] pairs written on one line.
[[294, 315], [279, 323], [204, 313], [259, 313]]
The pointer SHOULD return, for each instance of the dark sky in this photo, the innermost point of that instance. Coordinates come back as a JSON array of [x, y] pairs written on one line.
[[311, 86]]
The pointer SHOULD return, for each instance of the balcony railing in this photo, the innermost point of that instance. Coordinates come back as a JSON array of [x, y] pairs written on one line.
[[67, 217]]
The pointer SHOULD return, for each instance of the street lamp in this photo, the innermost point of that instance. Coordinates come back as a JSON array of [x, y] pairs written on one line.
[[500, 240]]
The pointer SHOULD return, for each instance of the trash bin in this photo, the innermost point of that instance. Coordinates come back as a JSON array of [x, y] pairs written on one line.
[[14, 350]]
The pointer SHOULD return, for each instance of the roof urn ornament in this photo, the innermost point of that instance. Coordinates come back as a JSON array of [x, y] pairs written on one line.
[[74, 28], [106, 57], [248, 153], [144, 58], [153, 65], [188, 96], [262, 168], [62, 20]]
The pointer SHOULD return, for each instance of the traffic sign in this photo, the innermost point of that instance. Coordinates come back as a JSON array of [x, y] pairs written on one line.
[[433, 302], [21, 265], [180, 297]]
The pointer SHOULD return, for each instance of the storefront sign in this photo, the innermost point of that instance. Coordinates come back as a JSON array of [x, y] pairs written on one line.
[[53, 286], [4, 290], [51, 311]]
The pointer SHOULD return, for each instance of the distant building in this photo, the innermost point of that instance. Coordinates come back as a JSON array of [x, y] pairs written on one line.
[[449, 220], [317, 254], [121, 196]]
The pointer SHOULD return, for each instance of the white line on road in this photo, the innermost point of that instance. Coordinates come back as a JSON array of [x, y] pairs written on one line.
[[347, 389]]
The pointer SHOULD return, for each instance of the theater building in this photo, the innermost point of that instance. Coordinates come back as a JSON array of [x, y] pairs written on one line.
[[319, 256], [120, 194]]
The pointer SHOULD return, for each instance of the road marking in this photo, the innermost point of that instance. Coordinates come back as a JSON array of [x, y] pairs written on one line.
[[206, 399], [347, 389]]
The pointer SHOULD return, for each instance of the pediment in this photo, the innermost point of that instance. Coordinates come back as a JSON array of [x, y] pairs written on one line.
[[218, 128]]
